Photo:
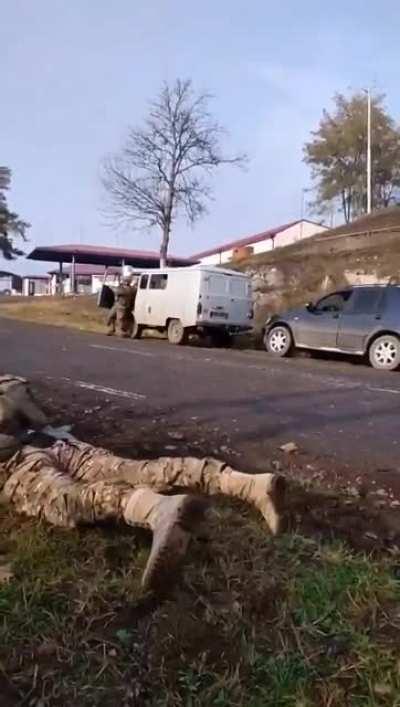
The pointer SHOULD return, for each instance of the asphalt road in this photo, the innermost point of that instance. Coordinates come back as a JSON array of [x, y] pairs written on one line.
[[335, 408]]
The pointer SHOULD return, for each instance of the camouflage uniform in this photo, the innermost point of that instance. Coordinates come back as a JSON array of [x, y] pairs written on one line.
[[121, 314], [18, 412], [73, 483]]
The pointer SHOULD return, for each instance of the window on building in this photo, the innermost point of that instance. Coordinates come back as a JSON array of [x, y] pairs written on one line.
[[158, 282], [143, 282]]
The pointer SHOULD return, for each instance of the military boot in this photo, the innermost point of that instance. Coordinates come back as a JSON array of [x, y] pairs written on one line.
[[264, 491], [172, 520]]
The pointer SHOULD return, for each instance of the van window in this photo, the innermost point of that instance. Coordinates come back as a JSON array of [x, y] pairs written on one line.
[[143, 282], [238, 287], [158, 282], [217, 284]]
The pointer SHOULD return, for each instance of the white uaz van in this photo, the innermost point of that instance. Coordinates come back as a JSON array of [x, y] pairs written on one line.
[[200, 298]]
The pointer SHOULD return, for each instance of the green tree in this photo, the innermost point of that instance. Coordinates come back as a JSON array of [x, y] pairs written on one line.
[[11, 226], [337, 155], [164, 167]]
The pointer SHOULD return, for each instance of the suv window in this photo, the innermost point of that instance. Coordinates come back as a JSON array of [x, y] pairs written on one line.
[[158, 282], [333, 303], [392, 298], [365, 300], [143, 282]]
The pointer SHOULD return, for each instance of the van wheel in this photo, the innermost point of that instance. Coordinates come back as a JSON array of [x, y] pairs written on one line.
[[177, 333], [384, 353], [137, 330]]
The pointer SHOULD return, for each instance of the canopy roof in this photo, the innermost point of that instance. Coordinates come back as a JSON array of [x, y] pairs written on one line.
[[99, 255]]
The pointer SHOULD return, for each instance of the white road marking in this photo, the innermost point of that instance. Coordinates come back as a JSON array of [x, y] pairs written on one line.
[[118, 348], [384, 390], [102, 389], [110, 391], [139, 396]]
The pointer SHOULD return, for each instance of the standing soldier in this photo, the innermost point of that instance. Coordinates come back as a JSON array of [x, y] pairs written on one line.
[[121, 315]]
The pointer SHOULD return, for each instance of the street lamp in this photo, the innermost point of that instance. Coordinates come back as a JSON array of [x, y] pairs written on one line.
[[302, 210], [369, 170]]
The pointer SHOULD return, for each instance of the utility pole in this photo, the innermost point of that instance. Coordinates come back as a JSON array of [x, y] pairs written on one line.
[[369, 173], [302, 211], [302, 203]]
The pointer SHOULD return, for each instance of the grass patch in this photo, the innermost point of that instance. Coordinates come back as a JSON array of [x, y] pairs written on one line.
[[76, 312], [256, 622]]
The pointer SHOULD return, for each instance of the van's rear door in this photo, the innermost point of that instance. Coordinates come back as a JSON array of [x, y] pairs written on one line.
[[240, 300], [228, 299], [216, 309]]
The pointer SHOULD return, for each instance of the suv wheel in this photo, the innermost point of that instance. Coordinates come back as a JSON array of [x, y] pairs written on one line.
[[278, 341], [384, 353]]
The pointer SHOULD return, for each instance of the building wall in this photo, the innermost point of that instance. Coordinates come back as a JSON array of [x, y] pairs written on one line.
[[98, 280], [6, 283], [291, 235], [53, 283], [10, 283], [84, 284], [262, 246], [295, 233], [35, 287], [215, 259]]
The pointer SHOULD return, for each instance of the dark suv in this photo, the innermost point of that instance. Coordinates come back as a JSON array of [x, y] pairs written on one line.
[[362, 320]]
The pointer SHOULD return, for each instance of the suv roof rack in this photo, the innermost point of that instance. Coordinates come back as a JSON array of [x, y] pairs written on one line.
[[377, 284]]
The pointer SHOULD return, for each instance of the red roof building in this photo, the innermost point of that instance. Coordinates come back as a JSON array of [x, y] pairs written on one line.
[[276, 237]]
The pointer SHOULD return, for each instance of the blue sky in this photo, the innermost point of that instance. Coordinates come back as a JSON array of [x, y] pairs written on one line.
[[75, 75]]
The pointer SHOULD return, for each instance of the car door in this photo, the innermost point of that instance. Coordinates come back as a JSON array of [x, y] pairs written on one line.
[[318, 326], [141, 299], [360, 318]]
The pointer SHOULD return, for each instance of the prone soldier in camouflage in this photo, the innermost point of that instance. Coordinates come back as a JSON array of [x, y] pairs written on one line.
[[18, 413], [121, 314], [72, 483]]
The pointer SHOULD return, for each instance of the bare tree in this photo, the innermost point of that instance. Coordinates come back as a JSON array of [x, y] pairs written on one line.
[[163, 167]]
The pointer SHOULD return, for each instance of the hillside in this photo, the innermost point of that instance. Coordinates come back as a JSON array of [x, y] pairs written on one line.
[[364, 251]]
